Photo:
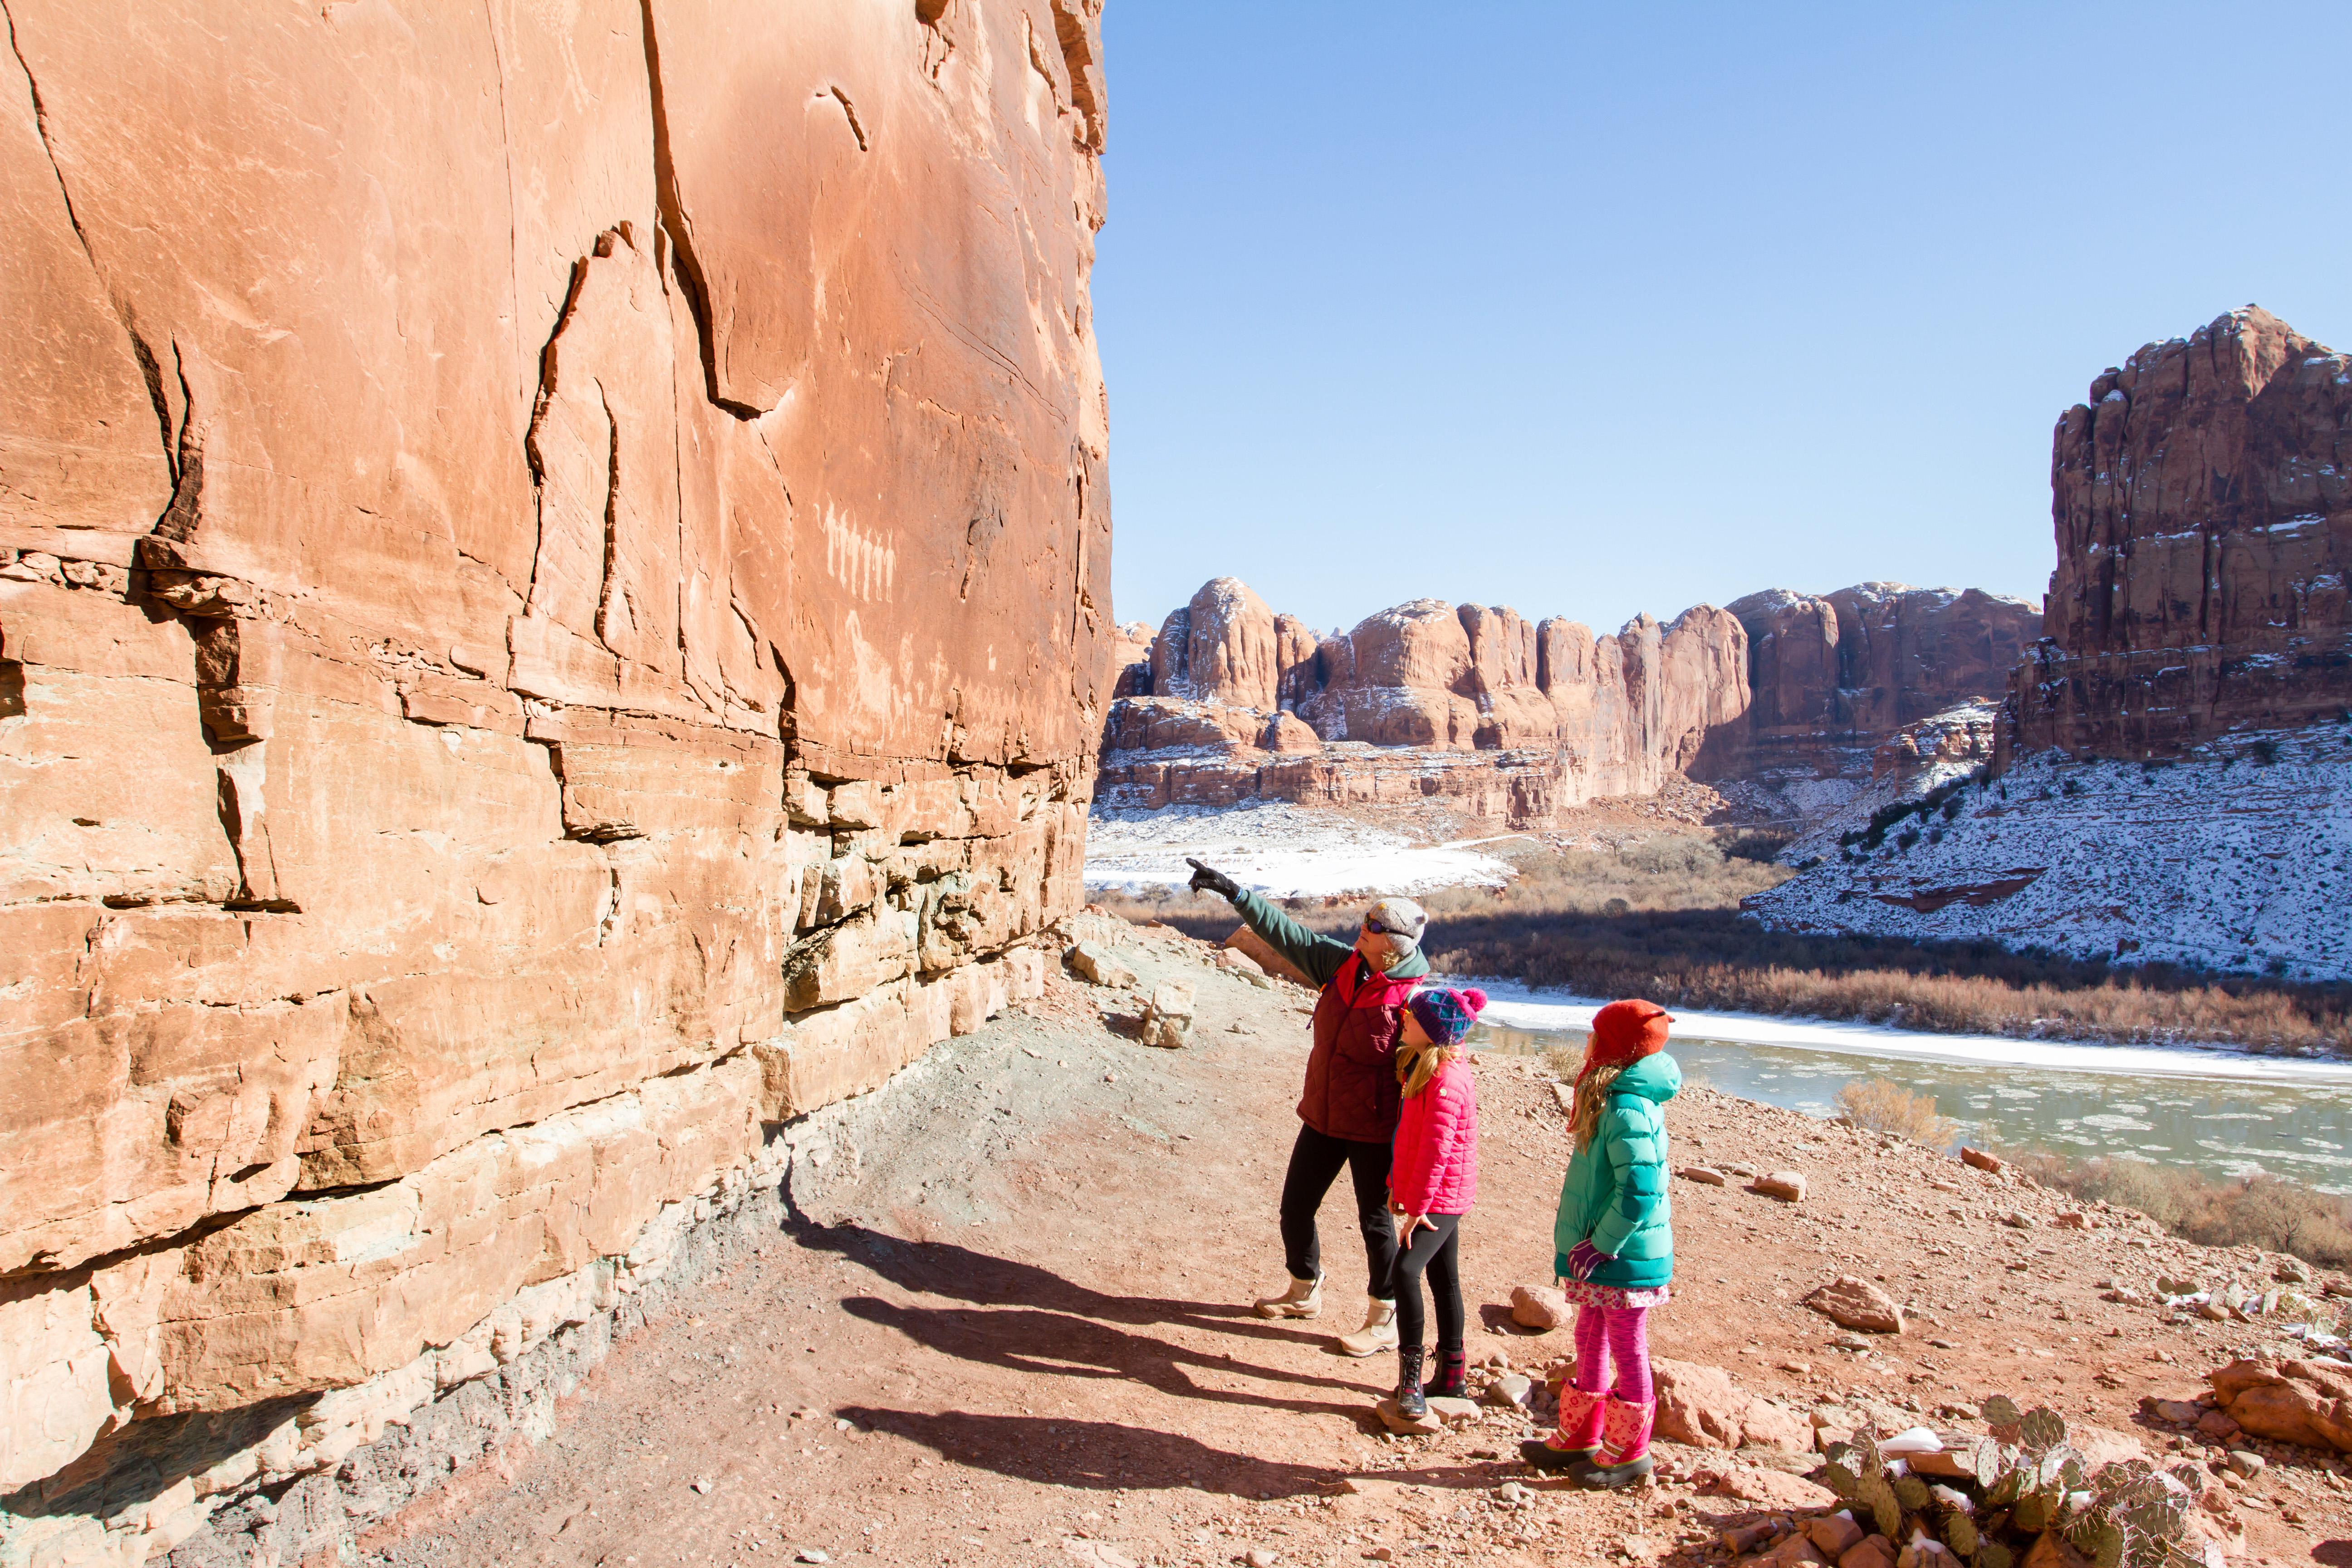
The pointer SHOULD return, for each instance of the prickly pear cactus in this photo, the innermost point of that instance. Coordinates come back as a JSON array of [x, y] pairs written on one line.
[[1877, 1495], [2023, 1480]]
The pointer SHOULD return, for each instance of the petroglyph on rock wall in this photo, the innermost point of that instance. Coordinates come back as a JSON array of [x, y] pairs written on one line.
[[554, 613]]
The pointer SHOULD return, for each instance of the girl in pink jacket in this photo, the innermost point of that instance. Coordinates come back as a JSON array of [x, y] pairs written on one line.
[[1433, 1180]]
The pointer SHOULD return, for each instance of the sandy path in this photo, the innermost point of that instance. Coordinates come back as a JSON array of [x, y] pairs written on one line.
[[1006, 1322]]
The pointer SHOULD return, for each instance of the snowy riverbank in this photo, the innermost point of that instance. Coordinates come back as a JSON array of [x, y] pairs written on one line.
[[1517, 1007], [1281, 850]]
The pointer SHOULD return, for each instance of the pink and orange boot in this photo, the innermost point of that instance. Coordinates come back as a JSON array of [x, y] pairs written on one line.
[[1625, 1456], [1578, 1440]]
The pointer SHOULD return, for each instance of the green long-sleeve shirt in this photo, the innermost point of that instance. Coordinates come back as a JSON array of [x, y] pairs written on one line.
[[1317, 957]]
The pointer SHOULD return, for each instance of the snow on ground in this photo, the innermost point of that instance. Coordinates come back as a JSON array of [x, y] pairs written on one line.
[[1281, 850], [1517, 1007], [1853, 814], [2236, 859]]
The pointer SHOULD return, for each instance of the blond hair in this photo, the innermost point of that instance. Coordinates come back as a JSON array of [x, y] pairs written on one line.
[[1592, 1086]]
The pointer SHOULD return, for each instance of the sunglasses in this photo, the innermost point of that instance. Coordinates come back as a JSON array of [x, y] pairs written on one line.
[[1372, 923]]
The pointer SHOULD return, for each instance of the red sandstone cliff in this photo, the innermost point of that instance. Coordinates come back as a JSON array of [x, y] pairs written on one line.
[[1836, 675], [553, 583], [1503, 716], [2204, 527], [1510, 718]]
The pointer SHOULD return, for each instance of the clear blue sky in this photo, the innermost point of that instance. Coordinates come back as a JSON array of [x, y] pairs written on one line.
[[1594, 309]]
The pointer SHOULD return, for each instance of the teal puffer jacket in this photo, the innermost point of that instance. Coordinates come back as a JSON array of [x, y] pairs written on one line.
[[1615, 1192]]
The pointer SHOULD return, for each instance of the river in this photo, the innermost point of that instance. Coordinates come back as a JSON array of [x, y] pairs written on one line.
[[2226, 1113]]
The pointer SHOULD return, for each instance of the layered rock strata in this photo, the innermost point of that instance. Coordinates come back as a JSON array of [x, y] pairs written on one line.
[[1837, 675], [1476, 706], [553, 618], [1500, 717], [2203, 519]]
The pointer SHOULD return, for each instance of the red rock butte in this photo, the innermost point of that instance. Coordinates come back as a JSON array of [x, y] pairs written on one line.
[[554, 615], [2203, 515]]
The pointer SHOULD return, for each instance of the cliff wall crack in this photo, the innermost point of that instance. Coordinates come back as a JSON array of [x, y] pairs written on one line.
[[506, 150], [613, 528], [149, 371], [679, 227], [850, 109]]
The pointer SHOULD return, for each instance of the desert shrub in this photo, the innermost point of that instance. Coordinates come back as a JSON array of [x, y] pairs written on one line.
[[1672, 854], [1948, 797], [1756, 844], [2278, 1215], [1712, 958], [1670, 871], [2268, 1212], [1882, 1105], [1564, 1059]]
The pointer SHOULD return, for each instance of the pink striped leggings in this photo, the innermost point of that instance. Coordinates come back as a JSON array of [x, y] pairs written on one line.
[[1617, 1334]]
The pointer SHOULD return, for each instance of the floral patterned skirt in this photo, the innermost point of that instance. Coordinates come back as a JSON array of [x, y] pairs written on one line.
[[1613, 1298]]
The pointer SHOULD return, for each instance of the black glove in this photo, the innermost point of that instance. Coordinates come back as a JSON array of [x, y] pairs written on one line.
[[1204, 880]]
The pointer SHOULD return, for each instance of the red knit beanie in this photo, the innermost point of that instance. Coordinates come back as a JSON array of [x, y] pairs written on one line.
[[1626, 1032]]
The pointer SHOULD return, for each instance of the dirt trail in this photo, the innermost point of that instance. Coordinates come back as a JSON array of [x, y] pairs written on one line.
[[1006, 1320]]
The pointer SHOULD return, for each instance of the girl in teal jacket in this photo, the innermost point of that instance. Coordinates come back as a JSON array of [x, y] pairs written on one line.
[[1614, 1245]]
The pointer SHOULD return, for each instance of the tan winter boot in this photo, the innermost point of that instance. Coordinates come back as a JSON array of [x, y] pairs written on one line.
[[1303, 1299], [1379, 1333]]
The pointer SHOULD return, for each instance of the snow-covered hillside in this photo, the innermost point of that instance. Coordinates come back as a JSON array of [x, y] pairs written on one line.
[[1284, 851], [2238, 857]]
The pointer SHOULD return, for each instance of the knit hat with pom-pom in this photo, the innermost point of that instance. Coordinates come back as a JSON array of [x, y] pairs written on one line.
[[1445, 1014]]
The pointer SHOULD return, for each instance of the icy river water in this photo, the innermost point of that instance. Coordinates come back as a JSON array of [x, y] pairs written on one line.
[[2226, 1113]]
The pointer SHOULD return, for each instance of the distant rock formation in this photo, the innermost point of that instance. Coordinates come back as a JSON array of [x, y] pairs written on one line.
[[2183, 710], [1506, 717], [1840, 673], [2203, 515]]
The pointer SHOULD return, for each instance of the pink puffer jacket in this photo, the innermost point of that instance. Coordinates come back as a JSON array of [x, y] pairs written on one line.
[[1435, 1165]]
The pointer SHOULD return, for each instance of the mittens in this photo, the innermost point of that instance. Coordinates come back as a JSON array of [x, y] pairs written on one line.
[[1205, 881], [1584, 1258]]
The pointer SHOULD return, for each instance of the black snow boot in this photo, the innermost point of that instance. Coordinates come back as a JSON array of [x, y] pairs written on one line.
[[1452, 1379], [1408, 1401]]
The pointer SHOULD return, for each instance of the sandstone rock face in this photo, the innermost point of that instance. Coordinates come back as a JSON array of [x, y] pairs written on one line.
[[1508, 717], [1504, 717], [1967, 736], [1836, 675], [2204, 527], [554, 589], [1130, 660]]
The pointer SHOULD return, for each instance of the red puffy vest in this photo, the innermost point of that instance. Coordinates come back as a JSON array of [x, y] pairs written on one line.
[[1351, 1086]]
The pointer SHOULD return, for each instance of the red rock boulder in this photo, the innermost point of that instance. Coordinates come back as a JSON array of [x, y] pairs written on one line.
[[2289, 1401]]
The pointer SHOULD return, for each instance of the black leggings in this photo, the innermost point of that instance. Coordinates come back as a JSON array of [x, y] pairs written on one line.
[[1440, 1252], [1314, 1161]]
